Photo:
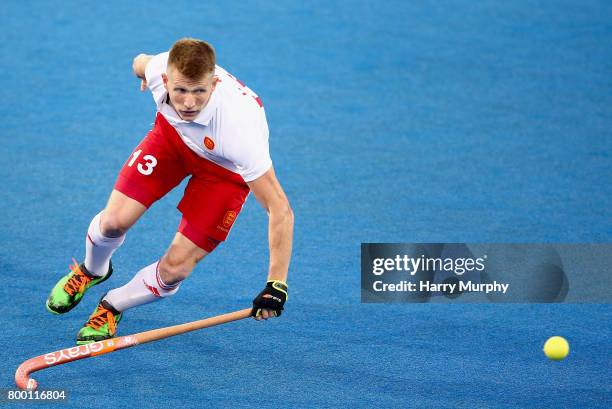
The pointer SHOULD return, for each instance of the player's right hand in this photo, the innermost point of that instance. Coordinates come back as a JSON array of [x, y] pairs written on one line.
[[270, 301], [139, 66]]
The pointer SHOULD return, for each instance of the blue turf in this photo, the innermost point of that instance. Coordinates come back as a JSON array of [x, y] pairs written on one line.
[[434, 121]]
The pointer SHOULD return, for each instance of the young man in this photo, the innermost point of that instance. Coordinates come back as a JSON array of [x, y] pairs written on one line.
[[213, 128]]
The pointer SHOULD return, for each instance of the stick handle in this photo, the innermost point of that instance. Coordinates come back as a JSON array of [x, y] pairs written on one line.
[[161, 333], [22, 375]]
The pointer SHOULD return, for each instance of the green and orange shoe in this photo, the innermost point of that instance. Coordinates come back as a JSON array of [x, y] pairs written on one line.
[[69, 291], [102, 324]]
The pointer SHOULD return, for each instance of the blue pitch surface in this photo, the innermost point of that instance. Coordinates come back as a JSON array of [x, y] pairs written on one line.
[[452, 121]]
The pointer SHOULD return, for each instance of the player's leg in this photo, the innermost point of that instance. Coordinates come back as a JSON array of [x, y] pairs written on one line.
[[210, 206], [105, 234], [107, 230], [160, 279], [152, 283], [148, 174]]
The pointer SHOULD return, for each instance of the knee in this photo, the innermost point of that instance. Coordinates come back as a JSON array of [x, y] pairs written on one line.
[[113, 224], [175, 267]]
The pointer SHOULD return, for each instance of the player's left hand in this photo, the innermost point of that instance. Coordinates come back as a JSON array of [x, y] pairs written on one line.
[[270, 301]]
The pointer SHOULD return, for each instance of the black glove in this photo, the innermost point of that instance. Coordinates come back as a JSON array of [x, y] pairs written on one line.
[[272, 297]]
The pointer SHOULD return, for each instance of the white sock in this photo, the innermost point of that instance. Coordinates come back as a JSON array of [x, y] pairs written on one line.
[[99, 248], [146, 286]]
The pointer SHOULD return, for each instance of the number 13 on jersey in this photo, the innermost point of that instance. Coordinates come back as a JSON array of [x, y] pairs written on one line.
[[146, 165]]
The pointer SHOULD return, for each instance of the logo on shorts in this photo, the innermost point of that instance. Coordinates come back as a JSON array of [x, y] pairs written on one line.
[[210, 145], [229, 218]]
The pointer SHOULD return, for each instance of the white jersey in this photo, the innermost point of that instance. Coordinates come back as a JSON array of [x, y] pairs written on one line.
[[230, 131]]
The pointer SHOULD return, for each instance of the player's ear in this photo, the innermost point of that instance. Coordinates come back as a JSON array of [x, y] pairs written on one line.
[[165, 80]]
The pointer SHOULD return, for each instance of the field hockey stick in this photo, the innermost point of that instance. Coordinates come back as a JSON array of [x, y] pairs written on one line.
[[22, 376]]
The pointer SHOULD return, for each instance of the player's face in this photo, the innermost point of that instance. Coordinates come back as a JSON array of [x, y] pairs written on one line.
[[187, 96]]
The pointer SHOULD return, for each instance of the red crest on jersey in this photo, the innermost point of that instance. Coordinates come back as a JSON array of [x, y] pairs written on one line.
[[229, 218], [210, 145]]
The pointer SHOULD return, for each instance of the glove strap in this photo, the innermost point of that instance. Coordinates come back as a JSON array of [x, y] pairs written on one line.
[[280, 286]]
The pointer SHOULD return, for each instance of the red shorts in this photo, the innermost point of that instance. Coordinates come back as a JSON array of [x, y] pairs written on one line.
[[213, 197]]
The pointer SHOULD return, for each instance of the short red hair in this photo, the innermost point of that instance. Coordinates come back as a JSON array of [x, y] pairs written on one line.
[[193, 58]]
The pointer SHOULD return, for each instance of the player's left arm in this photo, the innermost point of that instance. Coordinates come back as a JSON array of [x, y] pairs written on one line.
[[269, 193]]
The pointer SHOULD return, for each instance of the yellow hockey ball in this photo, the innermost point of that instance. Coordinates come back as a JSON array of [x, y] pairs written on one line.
[[556, 348]]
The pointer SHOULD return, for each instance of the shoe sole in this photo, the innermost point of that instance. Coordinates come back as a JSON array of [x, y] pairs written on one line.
[[87, 342], [51, 310], [91, 341]]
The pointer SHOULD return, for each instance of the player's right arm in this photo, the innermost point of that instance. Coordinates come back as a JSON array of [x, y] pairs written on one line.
[[139, 65]]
